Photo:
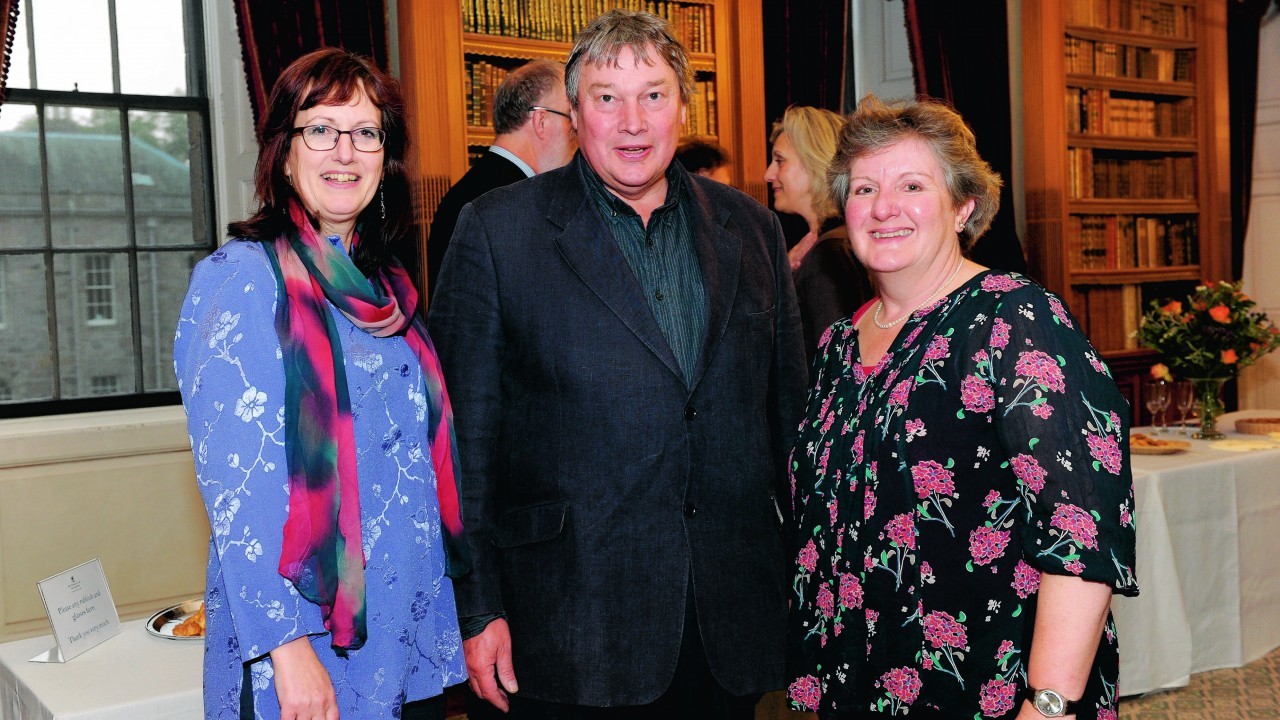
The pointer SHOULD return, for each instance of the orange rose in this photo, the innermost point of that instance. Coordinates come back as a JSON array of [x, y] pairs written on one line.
[[1221, 313], [1173, 308], [1229, 357], [1160, 371]]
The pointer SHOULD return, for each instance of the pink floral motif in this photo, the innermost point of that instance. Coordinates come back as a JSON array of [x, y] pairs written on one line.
[[1026, 580], [1075, 567], [808, 558], [1038, 366], [926, 571], [850, 591], [868, 503], [996, 697], [932, 478], [805, 692], [1107, 714], [999, 334], [987, 544], [833, 509], [1000, 283], [1042, 411], [1028, 471], [1106, 450], [826, 601], [898, 396], [938, 348], [976, 395], [991, 499], [1126, 517], [915, 427], [1079, 524], [911, 337], [1005, 648], [868, 562], [1059, 311], [1097, 364], [981, 356], [902, 683], [859, 441], [902, 531], [942, 630]]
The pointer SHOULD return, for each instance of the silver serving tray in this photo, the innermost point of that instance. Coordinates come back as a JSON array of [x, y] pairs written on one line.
[[162, 623]]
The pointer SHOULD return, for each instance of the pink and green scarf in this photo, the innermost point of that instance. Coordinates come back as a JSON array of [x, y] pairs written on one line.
[[323, 554]]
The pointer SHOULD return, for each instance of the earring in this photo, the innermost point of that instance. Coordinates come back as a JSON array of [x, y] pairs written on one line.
[[382, 201]]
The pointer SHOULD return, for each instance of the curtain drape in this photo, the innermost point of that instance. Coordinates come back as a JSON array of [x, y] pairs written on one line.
[[1244, 18], [962, 36], [274, 34], [8, 29], [804, 52]]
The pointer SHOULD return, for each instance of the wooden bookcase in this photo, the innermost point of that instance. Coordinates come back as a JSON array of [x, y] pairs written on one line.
[[452, 52], [1126, 159]]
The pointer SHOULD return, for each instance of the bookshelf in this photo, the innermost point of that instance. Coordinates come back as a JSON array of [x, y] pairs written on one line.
[[454, 53], [1126, 159]]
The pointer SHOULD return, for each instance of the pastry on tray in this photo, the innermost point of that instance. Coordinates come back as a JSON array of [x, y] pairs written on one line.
[[193, 626]]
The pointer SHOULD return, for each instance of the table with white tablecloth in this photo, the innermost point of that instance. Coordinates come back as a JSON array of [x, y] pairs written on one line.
[[132, 675], [1208, 565]]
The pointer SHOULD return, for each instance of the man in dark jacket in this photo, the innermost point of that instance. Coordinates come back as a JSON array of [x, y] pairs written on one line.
[[623, 352], [534, 135]]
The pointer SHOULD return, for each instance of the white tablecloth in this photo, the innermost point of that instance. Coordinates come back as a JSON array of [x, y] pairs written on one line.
[[1208, 565], [133, 675]]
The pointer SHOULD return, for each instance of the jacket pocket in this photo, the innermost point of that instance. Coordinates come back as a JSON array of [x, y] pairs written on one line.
[[536, 523]]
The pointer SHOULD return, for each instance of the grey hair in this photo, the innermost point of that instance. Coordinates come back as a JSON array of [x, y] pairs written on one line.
[[603, 39], [877, 125], [520, 90]]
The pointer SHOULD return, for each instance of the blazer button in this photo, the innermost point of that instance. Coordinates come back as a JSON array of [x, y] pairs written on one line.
[[689, 412], [690, 509]]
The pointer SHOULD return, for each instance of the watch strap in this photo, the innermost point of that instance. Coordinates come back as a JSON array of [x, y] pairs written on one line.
[[1069, 707]]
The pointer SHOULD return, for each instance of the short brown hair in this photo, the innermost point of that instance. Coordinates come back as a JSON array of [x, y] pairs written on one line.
[[325, 77], [600, 42], [520, 90], [876, 125]]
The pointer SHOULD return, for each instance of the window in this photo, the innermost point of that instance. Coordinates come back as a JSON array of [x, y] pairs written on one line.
[[99, 290], [107, 201]]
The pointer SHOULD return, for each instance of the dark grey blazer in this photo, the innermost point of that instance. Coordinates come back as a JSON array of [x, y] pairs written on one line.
[[595, 483], [490, 171]]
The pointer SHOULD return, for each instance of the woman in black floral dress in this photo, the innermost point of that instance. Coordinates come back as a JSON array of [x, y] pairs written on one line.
[[962, 490]]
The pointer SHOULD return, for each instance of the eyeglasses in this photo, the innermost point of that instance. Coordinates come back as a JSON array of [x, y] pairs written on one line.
[[323, 137], [554, 112]]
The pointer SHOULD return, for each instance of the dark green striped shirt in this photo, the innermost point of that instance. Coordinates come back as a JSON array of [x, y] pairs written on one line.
[[664, 258]]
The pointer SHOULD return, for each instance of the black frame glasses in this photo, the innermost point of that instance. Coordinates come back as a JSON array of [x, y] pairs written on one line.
[[308, 138], [554, 112]]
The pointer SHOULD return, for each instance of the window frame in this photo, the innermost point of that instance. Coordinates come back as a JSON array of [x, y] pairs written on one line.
[[198, 105]]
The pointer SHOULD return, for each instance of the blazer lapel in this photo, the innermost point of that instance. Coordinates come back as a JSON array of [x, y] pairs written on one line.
[[720, 255], [588, 247]]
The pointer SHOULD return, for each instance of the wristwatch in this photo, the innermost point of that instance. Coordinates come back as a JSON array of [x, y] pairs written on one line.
[[1050, 703]]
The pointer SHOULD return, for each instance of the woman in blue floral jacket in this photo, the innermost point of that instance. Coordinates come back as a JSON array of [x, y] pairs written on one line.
[[961, 481]]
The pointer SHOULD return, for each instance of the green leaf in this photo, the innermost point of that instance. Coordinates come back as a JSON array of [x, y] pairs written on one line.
[[960, 414], [969, 566], [1017, 611], [961, 618], [1031, 444], [1061, 360]]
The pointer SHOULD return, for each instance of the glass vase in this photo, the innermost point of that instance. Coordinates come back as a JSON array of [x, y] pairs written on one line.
[[1208, 392]]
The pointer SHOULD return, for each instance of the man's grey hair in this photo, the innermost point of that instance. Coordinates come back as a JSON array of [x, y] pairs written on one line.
[[520, 90], [603, 39]]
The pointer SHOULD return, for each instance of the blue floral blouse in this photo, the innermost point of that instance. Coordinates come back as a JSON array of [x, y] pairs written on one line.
[[227, 358], [988, 446]]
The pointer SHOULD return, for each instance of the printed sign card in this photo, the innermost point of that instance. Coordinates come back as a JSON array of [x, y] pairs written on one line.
[[80, 609]]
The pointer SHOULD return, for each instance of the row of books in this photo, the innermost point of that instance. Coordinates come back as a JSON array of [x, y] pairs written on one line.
[[482, 79], [1097, 112], [1118, 60], [1150, 17], [1126, 242], [560, 20], [1162, 178], [1111, 314]]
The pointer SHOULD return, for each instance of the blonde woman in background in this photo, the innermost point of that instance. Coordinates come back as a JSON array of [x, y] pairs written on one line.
[[830, 283]]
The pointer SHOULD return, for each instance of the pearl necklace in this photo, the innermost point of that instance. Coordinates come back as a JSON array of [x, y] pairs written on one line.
[[880, 305]]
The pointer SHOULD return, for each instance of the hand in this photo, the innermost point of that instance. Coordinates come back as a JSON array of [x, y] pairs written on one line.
[[302, 684], [488, 658], [796, 254]]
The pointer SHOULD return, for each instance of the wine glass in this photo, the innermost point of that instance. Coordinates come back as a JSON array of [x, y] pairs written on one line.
[[1184, 396], [1156, 398]]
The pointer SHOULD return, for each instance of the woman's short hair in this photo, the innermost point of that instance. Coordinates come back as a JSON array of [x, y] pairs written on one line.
[[600, 42], [332, 76], [877, 125], [813, 132]]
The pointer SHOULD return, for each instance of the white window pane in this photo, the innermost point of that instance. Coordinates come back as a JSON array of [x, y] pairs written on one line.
[[168, 178], [25, 352], [73, 45], [153, 52], [95, 324], [21, 213], [20, 60], [162, 285]]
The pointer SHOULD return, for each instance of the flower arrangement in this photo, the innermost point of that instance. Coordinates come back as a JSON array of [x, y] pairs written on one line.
[[1213, 335]]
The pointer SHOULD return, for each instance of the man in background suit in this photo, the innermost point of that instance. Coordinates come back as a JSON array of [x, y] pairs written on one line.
[[534, 135], [623, 352]]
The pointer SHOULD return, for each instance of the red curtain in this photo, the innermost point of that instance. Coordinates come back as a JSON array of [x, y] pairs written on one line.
[[274, 34], [951, 35], [8, 29]]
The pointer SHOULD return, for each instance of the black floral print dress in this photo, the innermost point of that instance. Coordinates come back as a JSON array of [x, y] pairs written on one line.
[[988, 445]]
